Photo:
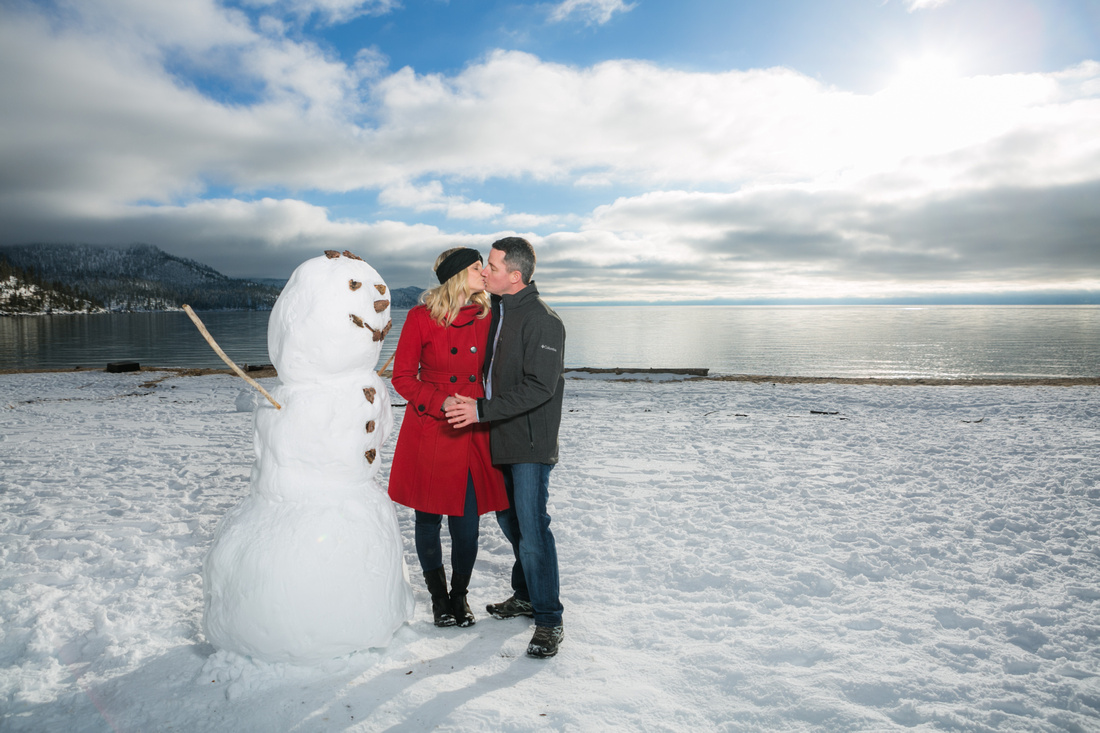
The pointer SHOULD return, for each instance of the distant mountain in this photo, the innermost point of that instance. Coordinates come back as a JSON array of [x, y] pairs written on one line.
[[138, 277], [404, 297], [23, 293]]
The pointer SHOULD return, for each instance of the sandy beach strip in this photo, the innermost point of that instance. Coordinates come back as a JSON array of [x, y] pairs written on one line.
[[627, 374]]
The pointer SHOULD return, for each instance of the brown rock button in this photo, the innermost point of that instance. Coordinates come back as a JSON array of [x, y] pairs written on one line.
[[454, 378], [454, 349], [473, 378]]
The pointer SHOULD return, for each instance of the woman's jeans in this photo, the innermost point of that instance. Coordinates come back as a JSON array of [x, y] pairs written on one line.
[[527, 526], [464, 534]]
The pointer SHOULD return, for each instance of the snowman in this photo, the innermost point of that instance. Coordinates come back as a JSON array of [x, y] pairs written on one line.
[[309, 566]]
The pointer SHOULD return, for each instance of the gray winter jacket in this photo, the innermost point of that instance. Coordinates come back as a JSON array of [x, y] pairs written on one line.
[[524, 411]]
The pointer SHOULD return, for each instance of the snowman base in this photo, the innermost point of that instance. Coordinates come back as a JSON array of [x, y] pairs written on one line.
[[287, 583]]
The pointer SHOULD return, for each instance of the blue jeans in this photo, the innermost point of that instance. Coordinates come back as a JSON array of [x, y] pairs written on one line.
[[527, 526], [464, 534]]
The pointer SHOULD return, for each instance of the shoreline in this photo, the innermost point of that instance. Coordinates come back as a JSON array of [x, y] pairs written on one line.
[[922, 381], [627, 375]]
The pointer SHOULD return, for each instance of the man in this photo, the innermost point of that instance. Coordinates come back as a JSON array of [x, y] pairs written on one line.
[[524, 389]]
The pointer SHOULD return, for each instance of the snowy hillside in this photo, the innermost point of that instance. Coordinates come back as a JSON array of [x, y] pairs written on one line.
[[18, 297], [139, 277], [24, 294]]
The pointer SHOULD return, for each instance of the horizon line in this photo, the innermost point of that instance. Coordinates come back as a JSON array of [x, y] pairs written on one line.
[[1077, 298]]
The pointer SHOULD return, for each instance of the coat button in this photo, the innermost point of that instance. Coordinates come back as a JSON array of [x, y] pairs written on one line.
[[473, 377], [473, 349], [421, 408], [454, 349], [454, 378]]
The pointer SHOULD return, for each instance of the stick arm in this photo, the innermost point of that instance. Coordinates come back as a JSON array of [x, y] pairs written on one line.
[[218, 350]]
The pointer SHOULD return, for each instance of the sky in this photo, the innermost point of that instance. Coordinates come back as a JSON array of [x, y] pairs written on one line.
[[652, 151]]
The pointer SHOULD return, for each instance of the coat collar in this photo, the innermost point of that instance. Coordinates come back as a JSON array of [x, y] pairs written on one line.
[[466, 315], [513, 300]]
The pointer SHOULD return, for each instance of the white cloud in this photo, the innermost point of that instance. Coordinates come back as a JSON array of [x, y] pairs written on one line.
[[195, 26], [332, 11], [430, 197], [924, 4], [595, 12], [530, 221], [104, 119], [789, 242], [370, 63], [460, 209], [636, 123], [108, 108]]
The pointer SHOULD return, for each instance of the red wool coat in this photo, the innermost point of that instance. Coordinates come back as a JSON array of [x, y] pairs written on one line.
[[431, 460]]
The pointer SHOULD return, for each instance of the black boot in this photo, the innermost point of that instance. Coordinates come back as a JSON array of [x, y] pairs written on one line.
[[460, 608], [544, 644], [511, 608], [441, 602]]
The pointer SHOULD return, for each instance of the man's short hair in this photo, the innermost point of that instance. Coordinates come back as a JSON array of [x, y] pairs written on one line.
[[518, 255]]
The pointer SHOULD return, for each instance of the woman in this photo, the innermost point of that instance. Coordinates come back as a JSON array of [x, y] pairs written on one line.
[[438, 470]]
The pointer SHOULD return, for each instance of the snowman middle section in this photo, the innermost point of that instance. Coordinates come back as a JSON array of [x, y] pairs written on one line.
[[324, 445]]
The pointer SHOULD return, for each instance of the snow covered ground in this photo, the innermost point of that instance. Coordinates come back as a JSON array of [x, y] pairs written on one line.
[[735, 557]]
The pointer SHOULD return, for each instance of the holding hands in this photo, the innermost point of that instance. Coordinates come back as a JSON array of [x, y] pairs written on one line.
[[461, 411]]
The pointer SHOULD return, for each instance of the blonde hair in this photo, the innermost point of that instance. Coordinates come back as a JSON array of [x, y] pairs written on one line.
[[446, 299]]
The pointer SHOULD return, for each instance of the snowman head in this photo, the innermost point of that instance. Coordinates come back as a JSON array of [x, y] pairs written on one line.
[[330, 319]]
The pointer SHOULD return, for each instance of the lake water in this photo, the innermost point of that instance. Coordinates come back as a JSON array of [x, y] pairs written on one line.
[[843, 341]]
